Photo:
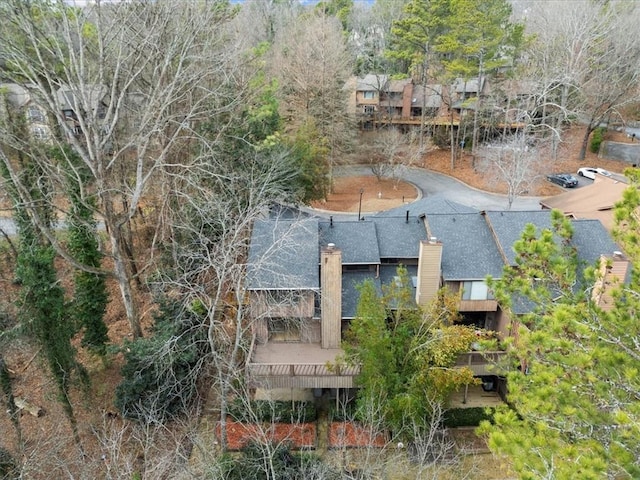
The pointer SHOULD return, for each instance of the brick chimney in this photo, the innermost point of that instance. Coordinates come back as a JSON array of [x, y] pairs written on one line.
[[407, 100], [429, 262], [613, 272], [331, 296]]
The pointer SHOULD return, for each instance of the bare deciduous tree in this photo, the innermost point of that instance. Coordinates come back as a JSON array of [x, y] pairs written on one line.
[[311, 64], [432, 454], [369, 29], [208, 251], [262, 20], [584, 61], [514, 164], [126, 85], [392, 153]]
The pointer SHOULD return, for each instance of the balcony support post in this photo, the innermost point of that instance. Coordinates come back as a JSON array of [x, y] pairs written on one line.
[[466, 386]]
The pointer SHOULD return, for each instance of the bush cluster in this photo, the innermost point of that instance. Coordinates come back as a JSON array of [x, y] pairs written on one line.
[[596, 139], [273, 411], [283, 465], [467, 417], [344, 412], [160, 376]]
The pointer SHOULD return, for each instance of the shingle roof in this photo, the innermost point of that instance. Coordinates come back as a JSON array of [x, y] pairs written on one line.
[[371, 82], [284, 255], [590, 237], [592, 240], [388, 274], [398, 85], [71, 98], [350, 294], [399, 238], [357, 240], [16, 95], [469, 86], [509, 225], [469, 251], [595, 201], [428, 205], [351, 281], [430, 95]]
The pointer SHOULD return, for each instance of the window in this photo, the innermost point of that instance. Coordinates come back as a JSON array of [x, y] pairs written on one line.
[[284, 329], [398, 283], [369, 95], [35, 115], [477, 290], [359, 267], [368, 109], [39, 133]]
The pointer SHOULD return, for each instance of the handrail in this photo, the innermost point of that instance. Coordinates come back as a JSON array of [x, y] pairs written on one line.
[[482, 363], [330, 370], [301, 369], [483, 354]]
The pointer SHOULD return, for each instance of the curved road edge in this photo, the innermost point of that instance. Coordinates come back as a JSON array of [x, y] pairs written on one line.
[[432, 183]]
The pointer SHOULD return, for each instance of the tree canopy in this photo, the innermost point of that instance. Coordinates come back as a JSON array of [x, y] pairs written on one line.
[[458, 38], [574, 401], [172, 126], [405, 353]]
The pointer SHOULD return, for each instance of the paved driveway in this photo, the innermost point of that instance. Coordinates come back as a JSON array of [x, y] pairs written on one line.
[[431, 183]]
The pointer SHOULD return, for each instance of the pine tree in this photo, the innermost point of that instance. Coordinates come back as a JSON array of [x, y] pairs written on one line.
[[574, 399]]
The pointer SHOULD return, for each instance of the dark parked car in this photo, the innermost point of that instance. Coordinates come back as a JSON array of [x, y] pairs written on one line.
[[565, 180]]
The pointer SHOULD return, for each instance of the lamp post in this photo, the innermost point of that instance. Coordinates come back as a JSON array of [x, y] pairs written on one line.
[[360, 203]]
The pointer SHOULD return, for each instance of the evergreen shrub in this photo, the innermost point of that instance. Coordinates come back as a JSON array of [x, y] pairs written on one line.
[[467, 417]]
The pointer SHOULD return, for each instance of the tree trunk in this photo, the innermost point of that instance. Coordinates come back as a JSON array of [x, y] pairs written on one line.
[[585, 143], [7, 389], [558, 123], [124, 283], [119, 254], [452, 139]]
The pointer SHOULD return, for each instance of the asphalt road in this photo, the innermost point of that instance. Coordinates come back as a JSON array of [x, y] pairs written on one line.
[[431, 183]]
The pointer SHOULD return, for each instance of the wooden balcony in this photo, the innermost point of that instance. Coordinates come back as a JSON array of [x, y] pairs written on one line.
[[474, 396], [478, 306], [298, 365], [482, 363], [414, 120], [307, 365]]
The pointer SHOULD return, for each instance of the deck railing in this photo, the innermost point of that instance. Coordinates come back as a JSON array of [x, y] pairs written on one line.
[[327, 374], [482, 363], [301, 369], [302, 375]]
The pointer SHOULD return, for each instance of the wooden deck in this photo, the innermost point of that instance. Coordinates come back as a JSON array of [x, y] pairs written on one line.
[[476, 397], [308, 365], [299, 365], [294, 352]]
